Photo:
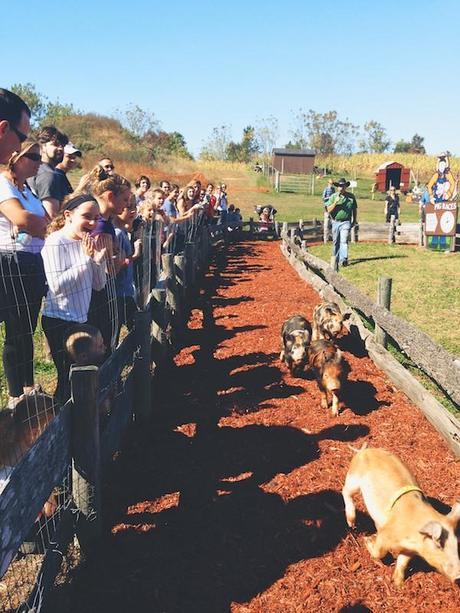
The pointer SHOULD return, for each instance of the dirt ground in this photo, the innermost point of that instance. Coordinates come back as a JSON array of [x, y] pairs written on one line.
[[230, 500]]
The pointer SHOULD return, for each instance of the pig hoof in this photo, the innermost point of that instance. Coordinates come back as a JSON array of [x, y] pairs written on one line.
[[369, 542], [324, 403], [351, 521], [398, 579], [335, 411]]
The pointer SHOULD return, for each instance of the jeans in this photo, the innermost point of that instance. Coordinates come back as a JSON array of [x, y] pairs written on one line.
[[22, 287], [340, 234]]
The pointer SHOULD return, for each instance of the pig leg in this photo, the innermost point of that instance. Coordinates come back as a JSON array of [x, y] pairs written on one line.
[[282, 355], [401, 565], [351, 486], [376, 546], [335, 404]]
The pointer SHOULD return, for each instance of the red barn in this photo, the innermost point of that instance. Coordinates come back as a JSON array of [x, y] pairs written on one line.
[[392, 174]]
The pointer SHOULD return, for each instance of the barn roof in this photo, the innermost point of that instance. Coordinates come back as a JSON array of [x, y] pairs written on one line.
[[386, 164], [295, 152]]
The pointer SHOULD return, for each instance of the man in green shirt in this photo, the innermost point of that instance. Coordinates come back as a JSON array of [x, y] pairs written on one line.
[[342, 207]]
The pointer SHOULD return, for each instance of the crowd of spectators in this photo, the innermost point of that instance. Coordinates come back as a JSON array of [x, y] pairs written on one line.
[[74, 255]]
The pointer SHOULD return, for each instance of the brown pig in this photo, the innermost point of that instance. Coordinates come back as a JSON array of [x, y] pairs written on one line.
[[327, 321], [330, 370], [407, 525]]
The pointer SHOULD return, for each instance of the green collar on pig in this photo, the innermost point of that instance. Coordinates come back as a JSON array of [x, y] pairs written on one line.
[[404, 490]]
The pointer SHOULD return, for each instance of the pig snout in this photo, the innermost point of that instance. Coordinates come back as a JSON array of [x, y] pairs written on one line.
[[299, 355], [331, 382]]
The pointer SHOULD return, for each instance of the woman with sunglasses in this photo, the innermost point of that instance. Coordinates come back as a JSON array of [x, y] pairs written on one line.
[[23, 222]]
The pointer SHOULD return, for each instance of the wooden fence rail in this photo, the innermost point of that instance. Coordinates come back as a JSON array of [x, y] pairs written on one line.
[[73, 447]]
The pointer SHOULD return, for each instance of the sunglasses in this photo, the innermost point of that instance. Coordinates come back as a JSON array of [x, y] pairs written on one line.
[[35, 157], [21, 136]]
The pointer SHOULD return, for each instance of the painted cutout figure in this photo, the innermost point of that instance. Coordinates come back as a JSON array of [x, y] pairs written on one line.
[[441, 186]]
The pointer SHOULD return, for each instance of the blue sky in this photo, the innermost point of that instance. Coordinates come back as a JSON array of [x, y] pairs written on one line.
[[203, 64]]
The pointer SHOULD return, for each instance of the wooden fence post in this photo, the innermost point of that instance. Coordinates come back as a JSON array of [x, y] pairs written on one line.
[[277, 229], [383, 299], [355, 233], [142, 378], [86, 453], [285, 228], [334, 263], [158, 324], [421, 232], [392, 230], [326, 223], [172, 293], [189, 252], [277, 180]]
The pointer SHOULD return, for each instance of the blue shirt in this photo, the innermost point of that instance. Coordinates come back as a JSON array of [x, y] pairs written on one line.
[[169, 208], [124, 281], [327, 193]]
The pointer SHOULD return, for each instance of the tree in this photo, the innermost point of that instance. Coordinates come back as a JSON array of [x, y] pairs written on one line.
[[266, 133], [324, 132], [215, 148], [375, 139], [414, 146], [137, 121], [163, 144], [56, 111], [245, 150], [35, 100]]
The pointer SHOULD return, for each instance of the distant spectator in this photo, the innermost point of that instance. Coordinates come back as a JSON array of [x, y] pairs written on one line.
[[238, 214], [49, 185], [424, 200], [84, 345], [170, 204], [222, 204], [69, 162], [328, 191], [23, 223], [392, 205], [165, 187], [124, 281], [75, 264], [14, 124], [86, 182], [142, 185], [186, 198]]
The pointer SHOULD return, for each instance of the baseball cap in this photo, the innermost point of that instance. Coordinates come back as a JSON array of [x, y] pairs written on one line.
[[70, 149]]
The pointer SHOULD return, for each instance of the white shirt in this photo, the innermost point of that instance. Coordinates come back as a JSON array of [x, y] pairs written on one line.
[[5, 473], [8, 237], [71, 276]]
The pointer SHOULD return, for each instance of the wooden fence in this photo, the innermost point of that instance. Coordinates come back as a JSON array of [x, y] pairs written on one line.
[[75, 448], [441, 366]]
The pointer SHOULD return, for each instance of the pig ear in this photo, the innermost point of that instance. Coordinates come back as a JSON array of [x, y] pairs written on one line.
[[454, 514], [433, 530]]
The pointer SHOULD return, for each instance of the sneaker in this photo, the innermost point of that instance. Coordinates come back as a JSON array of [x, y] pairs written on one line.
[[344, 263]]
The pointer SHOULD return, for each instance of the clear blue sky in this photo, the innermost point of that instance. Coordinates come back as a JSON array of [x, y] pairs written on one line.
[[202, 64]]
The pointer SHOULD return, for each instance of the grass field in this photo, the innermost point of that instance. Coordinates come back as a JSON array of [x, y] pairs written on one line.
[[425, 285], [246, 190]]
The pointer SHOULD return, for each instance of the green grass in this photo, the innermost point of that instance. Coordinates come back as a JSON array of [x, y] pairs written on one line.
[[294, 206], [425, 285]]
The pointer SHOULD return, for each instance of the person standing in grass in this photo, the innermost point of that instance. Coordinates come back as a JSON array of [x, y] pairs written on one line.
[[391, 205], [328, 191], [342, 208]]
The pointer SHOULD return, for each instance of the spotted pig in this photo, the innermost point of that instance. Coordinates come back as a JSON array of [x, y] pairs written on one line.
[[327, 321], [295, 338]]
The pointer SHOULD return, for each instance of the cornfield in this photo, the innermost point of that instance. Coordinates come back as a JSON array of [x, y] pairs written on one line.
[[365, 164]]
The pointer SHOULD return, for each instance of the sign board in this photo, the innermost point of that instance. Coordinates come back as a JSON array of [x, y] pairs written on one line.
[[442, 210], [441, 225], [353, 183]]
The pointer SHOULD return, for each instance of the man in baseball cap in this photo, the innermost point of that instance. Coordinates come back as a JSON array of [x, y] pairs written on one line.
[[69, 162]]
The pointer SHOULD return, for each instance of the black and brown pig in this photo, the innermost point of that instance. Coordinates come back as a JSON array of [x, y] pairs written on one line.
[[327, 321], [295, 338], [330, 370]]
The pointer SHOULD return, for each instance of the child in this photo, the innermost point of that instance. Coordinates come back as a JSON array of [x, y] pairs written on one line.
[[74, 266], [85, 346], [124, 280], [264, 219]]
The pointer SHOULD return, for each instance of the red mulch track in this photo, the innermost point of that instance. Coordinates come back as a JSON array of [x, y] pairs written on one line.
[[231, 499]]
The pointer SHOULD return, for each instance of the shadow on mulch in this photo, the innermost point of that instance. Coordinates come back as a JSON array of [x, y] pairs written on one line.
[[352, 343], [189, 526], [359, 397]]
